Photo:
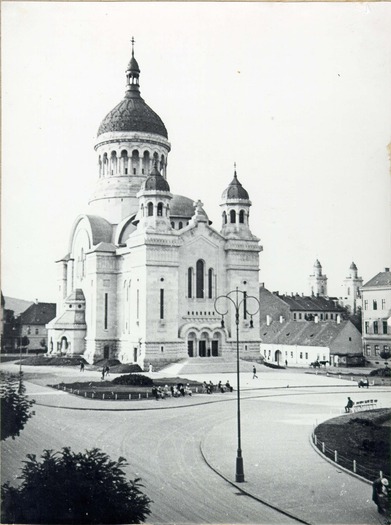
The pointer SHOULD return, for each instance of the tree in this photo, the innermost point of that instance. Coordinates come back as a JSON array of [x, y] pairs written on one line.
[[15, 406], [74, 488]]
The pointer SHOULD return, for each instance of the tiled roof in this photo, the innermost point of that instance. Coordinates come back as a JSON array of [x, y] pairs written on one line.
[[381, 279], [311, 303], [38, 313], [301, 333]]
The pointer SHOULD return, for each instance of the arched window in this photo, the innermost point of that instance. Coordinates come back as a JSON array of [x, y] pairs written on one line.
[[200, 279], [232, 216], [105, 164], [180, 225], [124, 162], [172, 224], [162, 164], [224, 217], [142, 210], [150, 209], [135, 161], [160, 209], [210, 283], [100, 166], [190, 282], [241, 217], [113, 159], [146, 163]]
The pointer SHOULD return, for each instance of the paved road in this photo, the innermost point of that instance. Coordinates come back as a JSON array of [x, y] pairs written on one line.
[[163, 448]]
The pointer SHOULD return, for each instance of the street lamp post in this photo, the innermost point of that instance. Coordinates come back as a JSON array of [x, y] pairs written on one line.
[[239, 474]]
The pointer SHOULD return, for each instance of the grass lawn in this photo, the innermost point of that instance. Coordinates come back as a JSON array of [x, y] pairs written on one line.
[[361, 436], [96, 389]]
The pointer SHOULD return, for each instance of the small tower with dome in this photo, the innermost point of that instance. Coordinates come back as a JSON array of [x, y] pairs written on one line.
[[318, 281], [154, 203], [351, 297], [235, 209]]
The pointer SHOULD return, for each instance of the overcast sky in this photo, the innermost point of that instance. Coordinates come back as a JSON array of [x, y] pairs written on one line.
[[298, 95]]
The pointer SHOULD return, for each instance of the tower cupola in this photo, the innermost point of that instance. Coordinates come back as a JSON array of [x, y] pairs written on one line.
[[235, 208], [154, 203], [318, 281]]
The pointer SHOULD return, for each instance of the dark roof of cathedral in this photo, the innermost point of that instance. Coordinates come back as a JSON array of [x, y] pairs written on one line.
[[38, 313], [381, 279], [155, 181], [133, 114], [181, 206], [235, 190]]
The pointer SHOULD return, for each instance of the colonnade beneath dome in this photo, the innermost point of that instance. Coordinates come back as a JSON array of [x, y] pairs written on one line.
[[126, 162]]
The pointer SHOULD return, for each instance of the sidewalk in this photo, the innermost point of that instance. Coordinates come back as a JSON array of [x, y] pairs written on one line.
[[283, 469]]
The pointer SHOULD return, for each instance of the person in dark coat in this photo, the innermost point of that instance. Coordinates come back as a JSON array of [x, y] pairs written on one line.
[[381, 495], [349, 405], [255, 372]]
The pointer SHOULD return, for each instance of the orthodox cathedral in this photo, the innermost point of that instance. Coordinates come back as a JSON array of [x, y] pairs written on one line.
[[144, 267]]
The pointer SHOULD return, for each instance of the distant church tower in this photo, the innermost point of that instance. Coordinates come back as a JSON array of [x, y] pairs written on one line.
[[351, 298], [318, 281]]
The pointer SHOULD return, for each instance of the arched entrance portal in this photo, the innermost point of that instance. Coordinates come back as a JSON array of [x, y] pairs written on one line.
[[204, 344], [277, 356]]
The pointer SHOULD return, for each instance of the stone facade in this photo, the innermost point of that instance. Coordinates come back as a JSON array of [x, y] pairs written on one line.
[[148, 280]]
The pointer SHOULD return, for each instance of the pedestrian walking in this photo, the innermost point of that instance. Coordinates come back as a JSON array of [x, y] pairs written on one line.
[[254, 372], [349, 405], [381, 495], [81, 366], [103, 373], [150, 368], [107, 370]]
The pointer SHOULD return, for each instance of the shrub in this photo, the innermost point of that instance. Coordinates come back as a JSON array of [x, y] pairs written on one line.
[[133, 379], [69, 488], [15, 407], [381, 372], [272, 365]]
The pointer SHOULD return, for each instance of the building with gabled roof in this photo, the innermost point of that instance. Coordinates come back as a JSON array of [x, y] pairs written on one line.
[[32, 323], [299, 344], [376, 316]]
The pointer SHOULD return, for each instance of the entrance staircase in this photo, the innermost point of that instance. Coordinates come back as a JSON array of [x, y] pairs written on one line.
[[208, 365]]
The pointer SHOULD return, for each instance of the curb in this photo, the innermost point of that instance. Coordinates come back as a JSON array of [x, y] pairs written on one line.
[[337, 465]]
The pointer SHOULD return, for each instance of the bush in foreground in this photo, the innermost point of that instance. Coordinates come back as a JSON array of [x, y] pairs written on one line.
[[15, 408], [74, 488], [133, 379]]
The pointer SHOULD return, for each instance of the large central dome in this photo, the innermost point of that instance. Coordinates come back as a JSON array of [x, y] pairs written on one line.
[[132, 113]]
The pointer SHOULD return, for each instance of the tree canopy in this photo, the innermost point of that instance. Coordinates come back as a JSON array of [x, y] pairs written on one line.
[[74, 488], [15, 406]]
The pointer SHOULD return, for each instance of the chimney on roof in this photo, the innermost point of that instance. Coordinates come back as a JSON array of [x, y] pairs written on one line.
[[386, 269], [281, 319], [261, 285], [316, 319], [36, 301], [276, 293], [268, 320]]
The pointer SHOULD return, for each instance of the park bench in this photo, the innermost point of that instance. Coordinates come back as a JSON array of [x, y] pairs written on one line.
[[368, 404]]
